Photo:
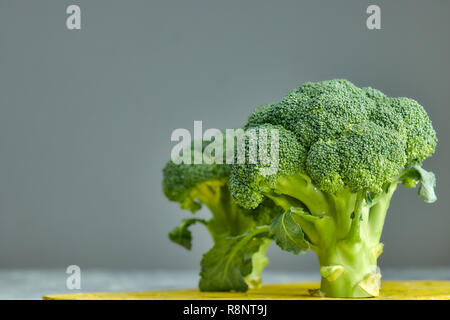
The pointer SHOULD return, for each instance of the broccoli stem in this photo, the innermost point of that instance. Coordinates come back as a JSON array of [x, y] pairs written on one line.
[[300, 187], [378, 212], [342, 206], [349, 270], [259, 262], [349, 264], [228, 219], [344, 230]]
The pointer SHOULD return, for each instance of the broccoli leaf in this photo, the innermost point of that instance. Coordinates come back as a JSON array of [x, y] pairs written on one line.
[[427, 182], [182, 235], [288, 234], [224, 267]]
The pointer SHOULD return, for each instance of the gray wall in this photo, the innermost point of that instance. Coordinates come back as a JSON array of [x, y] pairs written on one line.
[[86, 116]]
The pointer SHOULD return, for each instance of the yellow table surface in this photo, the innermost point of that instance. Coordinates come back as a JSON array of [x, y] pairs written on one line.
[[390, 290]]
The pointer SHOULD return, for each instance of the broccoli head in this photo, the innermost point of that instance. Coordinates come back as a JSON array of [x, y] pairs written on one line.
[[342, 152]]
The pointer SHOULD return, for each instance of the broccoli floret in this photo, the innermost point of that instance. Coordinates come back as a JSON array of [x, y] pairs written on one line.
[[342, 152], [197, 185], [317, 111], [248, 184]]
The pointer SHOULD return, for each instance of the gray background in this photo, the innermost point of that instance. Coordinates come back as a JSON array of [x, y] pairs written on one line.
[[86, 116]]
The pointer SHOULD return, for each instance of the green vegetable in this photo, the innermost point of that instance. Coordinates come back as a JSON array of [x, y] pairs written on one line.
[[197, 185], [288, 234], [230, 260], [342, 152], [182, 235]]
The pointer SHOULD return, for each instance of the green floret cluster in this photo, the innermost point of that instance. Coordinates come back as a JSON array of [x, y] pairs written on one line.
[[352, 137], [342, 151]]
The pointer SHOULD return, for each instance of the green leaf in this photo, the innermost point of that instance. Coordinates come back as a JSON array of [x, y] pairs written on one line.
[[224, 267], [288, 234], [427, 182], [410, 178], [182, 235]]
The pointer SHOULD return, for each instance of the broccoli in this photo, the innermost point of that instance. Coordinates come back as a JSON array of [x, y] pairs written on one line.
[[342, 152], [195, 185]]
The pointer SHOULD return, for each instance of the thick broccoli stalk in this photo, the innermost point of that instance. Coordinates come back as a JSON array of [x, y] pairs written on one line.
[[344, 232], [197, 185], [342, 153]]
